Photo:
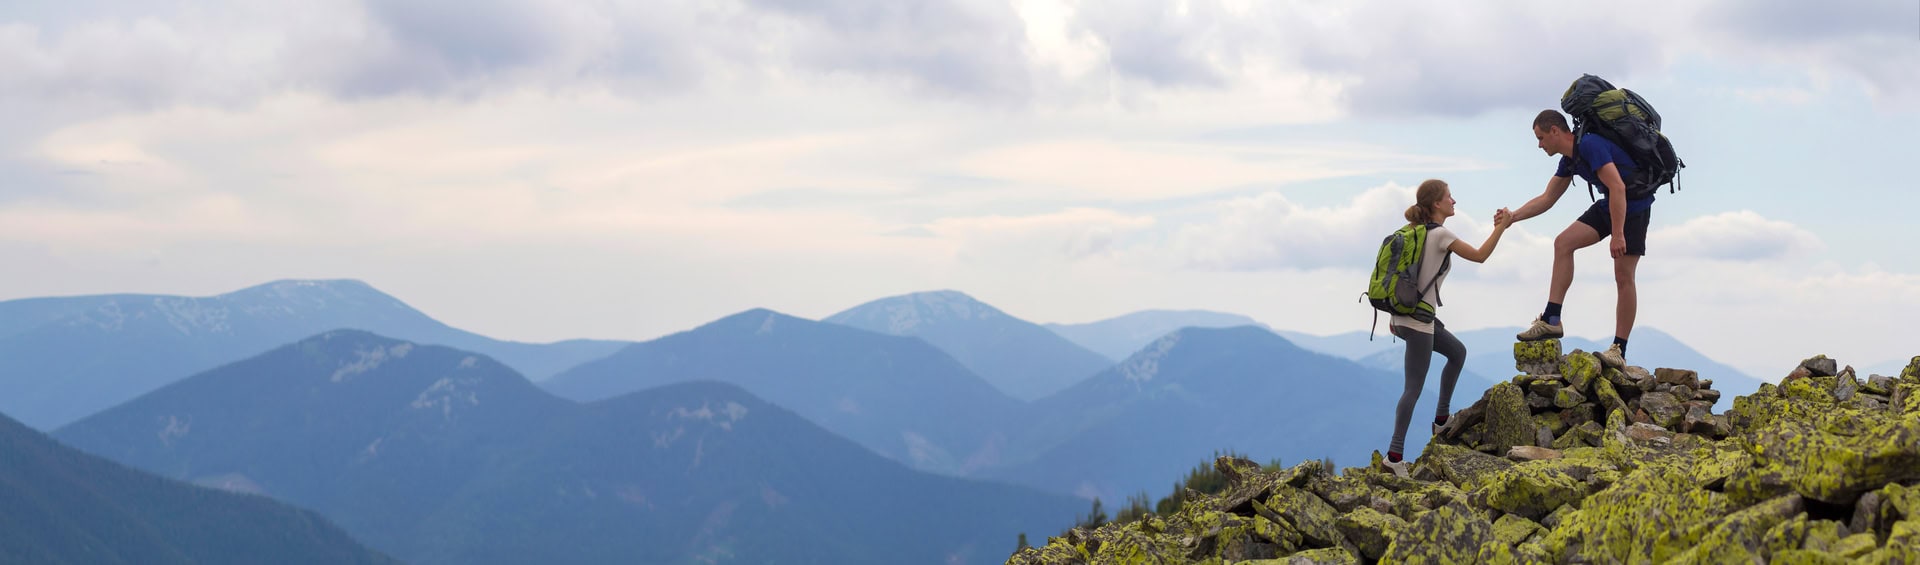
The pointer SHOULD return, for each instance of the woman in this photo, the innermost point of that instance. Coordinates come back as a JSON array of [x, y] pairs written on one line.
[[1433, 205]]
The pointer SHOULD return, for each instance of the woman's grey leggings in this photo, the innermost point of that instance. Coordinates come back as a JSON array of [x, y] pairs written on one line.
[[1420, 350]]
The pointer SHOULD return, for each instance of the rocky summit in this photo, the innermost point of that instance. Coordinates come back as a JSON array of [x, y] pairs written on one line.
[[1571, 462]]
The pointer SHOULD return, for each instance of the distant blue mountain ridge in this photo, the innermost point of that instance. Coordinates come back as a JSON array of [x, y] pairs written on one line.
[[898, 396], [437, 455], [63, 358], [1122, 336], [1016, 356]]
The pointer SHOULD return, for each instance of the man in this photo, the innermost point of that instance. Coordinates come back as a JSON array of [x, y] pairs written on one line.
[[1620, 216]]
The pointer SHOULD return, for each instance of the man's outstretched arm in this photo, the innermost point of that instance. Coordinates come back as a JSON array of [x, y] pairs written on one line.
[[1540, 204]]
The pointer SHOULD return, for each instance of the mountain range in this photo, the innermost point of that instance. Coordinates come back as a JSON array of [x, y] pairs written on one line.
[[1016, 356], [1122, 336], [58, 505], [1139, 425], [451, 455], [899, 396], [437, 455], [63, 358]]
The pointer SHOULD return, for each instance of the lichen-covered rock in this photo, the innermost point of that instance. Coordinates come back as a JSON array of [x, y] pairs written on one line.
[[1699, 419], [1465, 468], [1568, 398], [1348, 493], [1906, 533], [1575, 416], [1738, 538], [1586, 435], [1552, 423], [1537, 357], [1316, 520], [1370, 531], [1892, 555], [1666, 411], [1512, 529], [1326, 556], [1846, 387], [1623, 523], [1529, 490], [1822, 535], [1866, 514], [1450, 534], [1787, 535], [1649, 434], [1807, 557], [1509, 421], [1855, 546], [1819, 469], [1834, 468], [1821, 366], [1676, 377], [1580, 369], [1877, 384], [1912, 372]]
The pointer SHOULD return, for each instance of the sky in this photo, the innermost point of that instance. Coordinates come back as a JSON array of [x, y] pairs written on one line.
[[541, 170]]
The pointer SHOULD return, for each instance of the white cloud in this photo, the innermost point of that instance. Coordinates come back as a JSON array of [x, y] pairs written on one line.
[[1735, 236], [1271, 232], [1068, 235], [1375, 56]]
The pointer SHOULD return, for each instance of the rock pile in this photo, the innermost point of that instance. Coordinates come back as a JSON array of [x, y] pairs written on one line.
[[1568, 463], [1563, 401]]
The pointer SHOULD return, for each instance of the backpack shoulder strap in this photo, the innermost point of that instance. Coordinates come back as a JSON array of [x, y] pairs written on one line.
[[1446, 263], [1580, 162]]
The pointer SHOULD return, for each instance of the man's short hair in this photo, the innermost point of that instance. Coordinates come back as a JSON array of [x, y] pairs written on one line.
[[1549, 119]]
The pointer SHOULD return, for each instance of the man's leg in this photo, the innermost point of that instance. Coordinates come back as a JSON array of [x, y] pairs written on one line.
[[1629, 303], [1576, 237]]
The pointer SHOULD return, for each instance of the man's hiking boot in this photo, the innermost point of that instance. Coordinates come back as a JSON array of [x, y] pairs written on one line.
[[1613, 358], [1541, 330]]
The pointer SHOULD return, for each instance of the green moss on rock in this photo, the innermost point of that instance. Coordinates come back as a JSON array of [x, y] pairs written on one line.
[[1580, 369], [1512, 529], [1536, 357], [1325, 556], [1530, 491], [1370, 531], [1509, 421], [1450, 534]]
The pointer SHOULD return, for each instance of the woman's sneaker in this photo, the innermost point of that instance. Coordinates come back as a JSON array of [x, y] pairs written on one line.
[[1613, 358], [1541, 330]]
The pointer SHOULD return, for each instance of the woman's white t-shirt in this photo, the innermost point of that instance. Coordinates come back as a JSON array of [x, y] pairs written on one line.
[[1435, 253]]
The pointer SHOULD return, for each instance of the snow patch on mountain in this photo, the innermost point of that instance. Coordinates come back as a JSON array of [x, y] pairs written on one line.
[[1143, 366], [192, 315], [923, 452], [447, 393], [370, 359], [175, 429], [724, 417]]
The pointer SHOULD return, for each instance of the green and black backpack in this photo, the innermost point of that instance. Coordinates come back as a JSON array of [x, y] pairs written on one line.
[[1624, 118], [1395, 287]]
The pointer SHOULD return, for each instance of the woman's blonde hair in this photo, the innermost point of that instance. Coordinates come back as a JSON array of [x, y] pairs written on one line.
[[1430, 193]]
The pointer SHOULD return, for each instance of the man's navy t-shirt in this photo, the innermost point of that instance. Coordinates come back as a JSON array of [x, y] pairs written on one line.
[[1595, 153]]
